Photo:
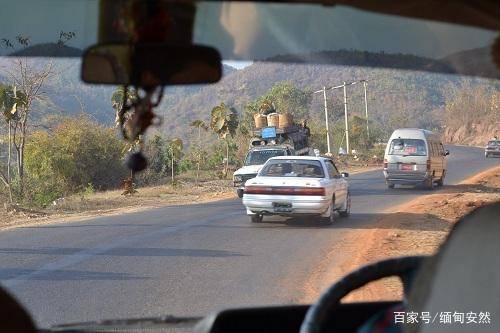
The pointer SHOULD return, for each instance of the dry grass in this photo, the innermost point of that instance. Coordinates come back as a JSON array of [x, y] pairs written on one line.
[[152, 196], [83, 206]]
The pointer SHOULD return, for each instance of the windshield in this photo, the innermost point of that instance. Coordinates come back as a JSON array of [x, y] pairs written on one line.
[[408, 147], [259, 157], [292, 168], [493, 143], [83, 237]]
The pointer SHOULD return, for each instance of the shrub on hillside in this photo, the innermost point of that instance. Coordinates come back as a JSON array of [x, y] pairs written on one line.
[[78, 153]]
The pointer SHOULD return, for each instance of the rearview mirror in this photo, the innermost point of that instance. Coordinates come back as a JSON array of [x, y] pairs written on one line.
[[148, 65]]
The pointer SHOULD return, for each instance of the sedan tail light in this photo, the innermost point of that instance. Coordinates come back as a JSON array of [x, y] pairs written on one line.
[[285, 190]]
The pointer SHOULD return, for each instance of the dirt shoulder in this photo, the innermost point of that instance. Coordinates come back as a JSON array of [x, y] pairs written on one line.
[[414, 228], [86, 206], [108, 203]]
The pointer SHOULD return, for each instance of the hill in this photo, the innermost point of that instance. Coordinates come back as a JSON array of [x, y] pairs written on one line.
[[396, 97], [393, 94]]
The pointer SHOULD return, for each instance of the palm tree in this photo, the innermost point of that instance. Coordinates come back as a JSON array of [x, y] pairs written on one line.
[[224, 122], [117, 100], [176, 147], [200, 124], [10, 99], [117, 104]]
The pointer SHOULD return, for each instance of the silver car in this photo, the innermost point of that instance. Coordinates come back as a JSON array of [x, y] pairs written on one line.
[[297, 185], [492, 148]]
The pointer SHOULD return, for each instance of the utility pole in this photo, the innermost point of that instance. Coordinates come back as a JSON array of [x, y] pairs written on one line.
[[326, 122], [366, 112], [346, 121], [326, 118], [346, 116]]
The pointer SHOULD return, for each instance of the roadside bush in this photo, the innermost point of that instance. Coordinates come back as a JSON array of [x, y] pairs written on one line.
[[186, 164], [215, 159], [76, 155], [159, 158]]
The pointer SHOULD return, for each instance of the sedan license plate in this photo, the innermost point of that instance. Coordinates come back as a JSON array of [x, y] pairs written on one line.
[[406, 167], [282, 207]]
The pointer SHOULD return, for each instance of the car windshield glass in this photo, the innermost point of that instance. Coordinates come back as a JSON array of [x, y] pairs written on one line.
[[408, 147], [84, 238], [292, 168], [259, 157], [493, 143], [255, 31]]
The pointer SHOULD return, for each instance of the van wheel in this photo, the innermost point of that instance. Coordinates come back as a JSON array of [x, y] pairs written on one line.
[[389, 185], [440, 182], [428, 184], [256, 218]]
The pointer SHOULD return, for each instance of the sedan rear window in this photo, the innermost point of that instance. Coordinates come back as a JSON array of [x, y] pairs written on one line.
[[293, 168], [408, 147]]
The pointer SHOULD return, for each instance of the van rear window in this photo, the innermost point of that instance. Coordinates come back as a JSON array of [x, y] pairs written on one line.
[[408, 147]]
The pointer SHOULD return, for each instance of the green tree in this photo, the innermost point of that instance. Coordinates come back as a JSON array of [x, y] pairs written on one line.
[[78, 152], [29, 78], [176, 146], [158, 154], [10, 100], [283, 97], [198, 151], [224, 122], [117, 100]]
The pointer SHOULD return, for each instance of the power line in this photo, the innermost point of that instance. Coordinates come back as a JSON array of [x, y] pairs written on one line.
[[346, 115]]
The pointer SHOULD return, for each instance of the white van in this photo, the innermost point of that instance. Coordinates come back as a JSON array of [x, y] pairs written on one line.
[[414, 157]]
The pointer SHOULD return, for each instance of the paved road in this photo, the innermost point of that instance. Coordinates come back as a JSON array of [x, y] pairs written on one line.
[[183, 260]]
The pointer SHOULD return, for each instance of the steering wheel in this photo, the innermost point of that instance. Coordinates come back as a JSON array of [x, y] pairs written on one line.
[[317, 316]]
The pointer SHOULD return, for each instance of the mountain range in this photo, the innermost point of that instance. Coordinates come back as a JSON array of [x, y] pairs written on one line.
[[393, 93]]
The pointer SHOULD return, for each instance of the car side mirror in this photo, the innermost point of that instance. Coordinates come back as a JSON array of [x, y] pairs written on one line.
[[344, 174], [446, 152]]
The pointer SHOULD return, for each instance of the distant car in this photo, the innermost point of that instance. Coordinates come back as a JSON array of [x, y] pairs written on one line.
[[298, 186], [415, 156], [492, 148]]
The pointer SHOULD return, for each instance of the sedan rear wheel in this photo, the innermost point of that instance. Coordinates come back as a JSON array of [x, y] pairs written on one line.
[[347, 206], [331, 218], [256, 218]]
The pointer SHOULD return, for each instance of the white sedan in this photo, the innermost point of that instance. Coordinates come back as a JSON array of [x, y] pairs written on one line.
[[297, 185]]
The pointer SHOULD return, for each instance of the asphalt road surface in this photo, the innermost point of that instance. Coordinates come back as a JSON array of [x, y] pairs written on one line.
[[184, 260]]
